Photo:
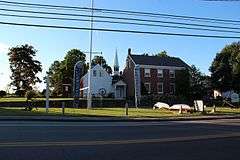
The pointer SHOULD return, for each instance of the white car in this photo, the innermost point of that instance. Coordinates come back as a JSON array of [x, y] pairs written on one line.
[[178, 106], [160, 105]]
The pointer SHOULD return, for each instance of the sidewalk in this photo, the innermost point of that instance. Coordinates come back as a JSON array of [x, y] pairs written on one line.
[[112, 119]]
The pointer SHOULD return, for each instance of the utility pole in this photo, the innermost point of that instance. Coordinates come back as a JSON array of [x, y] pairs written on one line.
[[89, 97], [47, 93]]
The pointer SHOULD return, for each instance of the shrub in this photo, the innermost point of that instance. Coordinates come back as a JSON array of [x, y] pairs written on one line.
[[20, 93], [2, 94], [31, 94]]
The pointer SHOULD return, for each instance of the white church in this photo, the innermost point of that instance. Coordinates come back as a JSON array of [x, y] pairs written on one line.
[[104, 84]]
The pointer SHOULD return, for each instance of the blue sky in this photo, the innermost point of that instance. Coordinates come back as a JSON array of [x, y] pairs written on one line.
[[52, 44]]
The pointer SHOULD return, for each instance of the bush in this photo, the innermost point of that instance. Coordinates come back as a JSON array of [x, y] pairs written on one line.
[[31, 94], [2, 94], [20, 93]]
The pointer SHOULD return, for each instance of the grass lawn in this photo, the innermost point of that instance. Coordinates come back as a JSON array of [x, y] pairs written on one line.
[[109, 112], [22, 99]]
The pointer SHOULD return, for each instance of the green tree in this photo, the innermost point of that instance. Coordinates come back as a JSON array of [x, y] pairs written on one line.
[[61, 72], [55, 77], [24, 67], [225, 68], [162, 54], [183, 84], [200, 83], [101, 61]]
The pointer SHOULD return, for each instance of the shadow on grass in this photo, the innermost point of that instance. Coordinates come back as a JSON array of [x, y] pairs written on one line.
[[17, 112], [41, 112]]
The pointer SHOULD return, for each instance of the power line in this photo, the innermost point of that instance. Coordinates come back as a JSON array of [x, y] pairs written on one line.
[[116, 22], [120, 31], [130, 14], [121, 11], [119, 18]]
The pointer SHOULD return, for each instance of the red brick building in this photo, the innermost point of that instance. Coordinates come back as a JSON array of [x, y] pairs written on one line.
[[157, 74]]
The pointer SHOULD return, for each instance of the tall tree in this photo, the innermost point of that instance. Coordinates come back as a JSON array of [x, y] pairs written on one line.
[[183, 83], [61, 72], [55, 77], [24, 67], [101, 61], [225, 68], [200, 83], [162, 54]]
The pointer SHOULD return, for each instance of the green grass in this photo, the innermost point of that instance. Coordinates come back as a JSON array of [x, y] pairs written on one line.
[[102, 112], [22, 99], [109, 112]]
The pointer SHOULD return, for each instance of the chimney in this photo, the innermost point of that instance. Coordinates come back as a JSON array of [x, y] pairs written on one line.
[[129, 51]]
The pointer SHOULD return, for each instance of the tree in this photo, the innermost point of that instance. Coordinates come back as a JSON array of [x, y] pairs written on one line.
[[55, 77], [24, 67], [61, 72], [162, 54], [200, 83], [2, 94], [225, 68], [183, 84], [101, 61]]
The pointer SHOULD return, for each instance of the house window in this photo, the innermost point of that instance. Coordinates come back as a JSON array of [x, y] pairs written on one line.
[[160, 73], [148, 87], [94, 73], [147, 73], [172, 73], [160, 88], [100, 74], [172, 88]]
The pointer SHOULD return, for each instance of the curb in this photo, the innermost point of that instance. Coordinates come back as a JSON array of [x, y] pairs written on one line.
[[108, 119]]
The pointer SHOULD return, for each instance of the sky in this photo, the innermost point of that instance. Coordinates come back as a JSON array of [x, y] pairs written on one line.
[[52, 44]]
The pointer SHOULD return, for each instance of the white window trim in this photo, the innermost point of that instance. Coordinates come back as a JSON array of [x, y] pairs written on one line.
[[149, 89], [145, 72], [173, 73], [162, 88], [158, 74]]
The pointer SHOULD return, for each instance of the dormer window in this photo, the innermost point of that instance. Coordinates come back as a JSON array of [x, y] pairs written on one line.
[[147, 72], [172, 74]]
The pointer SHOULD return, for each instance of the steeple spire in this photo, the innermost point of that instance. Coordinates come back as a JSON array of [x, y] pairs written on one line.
[[116, 65]]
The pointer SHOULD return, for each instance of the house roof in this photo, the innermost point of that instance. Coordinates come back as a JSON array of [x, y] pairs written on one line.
[[158, 61]]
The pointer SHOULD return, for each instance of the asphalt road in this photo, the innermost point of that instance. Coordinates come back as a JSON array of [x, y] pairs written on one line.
[[215, 139]]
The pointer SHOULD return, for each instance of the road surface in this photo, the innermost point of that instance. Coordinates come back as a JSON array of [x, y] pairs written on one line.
[[175, 140]]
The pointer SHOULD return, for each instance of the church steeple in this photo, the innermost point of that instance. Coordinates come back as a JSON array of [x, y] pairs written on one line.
[[115, 64]]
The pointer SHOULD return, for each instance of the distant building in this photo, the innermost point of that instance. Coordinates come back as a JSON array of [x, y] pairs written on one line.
[[103, 84], [157, 74]]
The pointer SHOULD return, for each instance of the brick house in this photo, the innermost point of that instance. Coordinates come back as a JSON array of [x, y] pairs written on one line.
[[157, 74]]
